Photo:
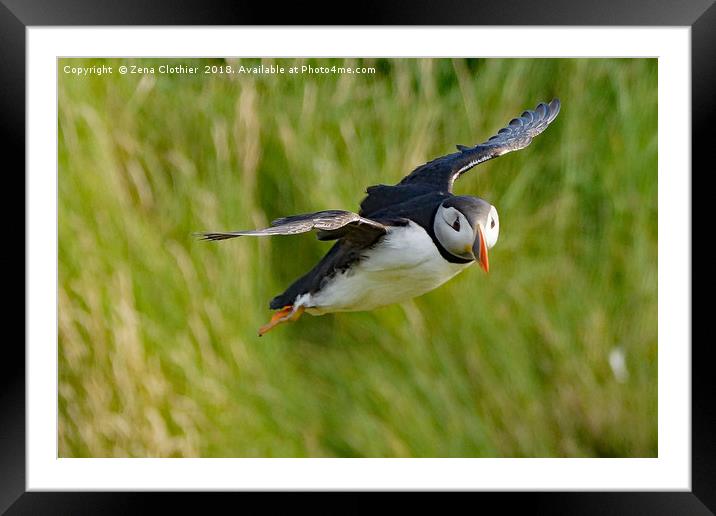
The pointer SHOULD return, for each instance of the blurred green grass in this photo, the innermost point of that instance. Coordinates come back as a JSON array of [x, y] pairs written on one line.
[[158, 353]]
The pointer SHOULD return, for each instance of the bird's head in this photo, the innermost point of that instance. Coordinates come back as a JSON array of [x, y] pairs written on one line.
[[467, 227]]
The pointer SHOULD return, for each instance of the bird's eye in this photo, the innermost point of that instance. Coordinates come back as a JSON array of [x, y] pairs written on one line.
[[456, 225], [492, 224]]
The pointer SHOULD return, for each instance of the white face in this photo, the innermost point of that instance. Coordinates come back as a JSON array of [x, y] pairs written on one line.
[[454, 232], [457, 235], [492, 228]]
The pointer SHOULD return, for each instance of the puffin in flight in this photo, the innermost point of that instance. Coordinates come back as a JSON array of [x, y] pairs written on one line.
[[406, 240]]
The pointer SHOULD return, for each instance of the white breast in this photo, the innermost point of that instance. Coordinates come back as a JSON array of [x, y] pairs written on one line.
[[404, 264]]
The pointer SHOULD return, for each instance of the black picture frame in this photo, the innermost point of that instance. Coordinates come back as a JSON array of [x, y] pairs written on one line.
[[17, 15]]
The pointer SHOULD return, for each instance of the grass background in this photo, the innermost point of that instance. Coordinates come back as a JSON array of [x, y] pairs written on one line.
[[158, 353]]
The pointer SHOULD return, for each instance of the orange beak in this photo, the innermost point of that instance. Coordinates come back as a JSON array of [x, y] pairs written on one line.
[[480, 249]]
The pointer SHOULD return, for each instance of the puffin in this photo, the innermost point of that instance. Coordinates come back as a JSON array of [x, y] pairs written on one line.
[[406, 240]]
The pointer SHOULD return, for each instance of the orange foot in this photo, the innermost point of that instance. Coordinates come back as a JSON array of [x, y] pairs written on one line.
[[286, 314]]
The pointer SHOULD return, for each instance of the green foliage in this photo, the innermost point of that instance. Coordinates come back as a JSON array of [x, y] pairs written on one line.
[[157, 331]]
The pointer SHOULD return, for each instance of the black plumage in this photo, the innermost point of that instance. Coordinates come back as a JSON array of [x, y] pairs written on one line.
[[442, 172]]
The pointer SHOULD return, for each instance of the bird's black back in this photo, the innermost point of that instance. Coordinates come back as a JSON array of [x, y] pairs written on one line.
[[383, 197]]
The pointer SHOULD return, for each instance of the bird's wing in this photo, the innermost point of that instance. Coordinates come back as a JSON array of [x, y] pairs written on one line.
[[331, 225], [442, 172]]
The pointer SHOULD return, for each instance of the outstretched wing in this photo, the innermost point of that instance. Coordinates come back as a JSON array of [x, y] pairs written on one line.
[[331, 225], [442, 172]]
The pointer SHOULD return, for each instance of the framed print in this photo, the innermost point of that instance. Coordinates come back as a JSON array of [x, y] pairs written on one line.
[[165, 354]]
